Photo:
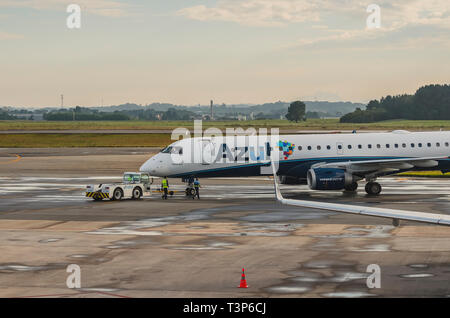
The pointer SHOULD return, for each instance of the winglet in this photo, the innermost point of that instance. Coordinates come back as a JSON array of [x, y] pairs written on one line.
[[278, 195]]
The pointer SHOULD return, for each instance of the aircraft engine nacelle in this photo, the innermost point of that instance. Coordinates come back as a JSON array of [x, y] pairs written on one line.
[[329, 179]]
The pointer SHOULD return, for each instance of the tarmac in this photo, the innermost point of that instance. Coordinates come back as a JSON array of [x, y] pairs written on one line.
[[197, 248], [162, 131]]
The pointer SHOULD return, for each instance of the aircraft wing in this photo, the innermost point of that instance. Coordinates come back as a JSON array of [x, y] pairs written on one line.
[[395, 215], [382, 164]]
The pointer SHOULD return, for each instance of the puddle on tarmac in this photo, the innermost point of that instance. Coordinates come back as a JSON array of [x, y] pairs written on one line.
[[324, 245], [210, 245], [371, 248], [350, 294], [288, 289], [322, 264], [267, 234], [262, 229], [21, 268], [316, 273], [127, 243], [379, 231], [101, 290], [220, 244], [280, 227], [137, 227], [33, 179], [418, 265], [135, 242], [286, 216], [27, 268], [78, 256], [255, 228], [51, 240], [131, 229], [418, 275], [339, 277]]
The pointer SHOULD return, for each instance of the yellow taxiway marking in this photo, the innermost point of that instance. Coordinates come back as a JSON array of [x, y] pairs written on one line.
[[12, 161]]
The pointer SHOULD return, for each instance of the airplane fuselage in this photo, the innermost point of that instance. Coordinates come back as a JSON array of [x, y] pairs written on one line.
[[240, 156]]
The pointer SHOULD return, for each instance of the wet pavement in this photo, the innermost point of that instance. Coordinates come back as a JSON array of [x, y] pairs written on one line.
[[197, 248], [42, 192]]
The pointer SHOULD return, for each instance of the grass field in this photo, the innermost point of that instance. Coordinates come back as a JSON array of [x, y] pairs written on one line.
[[425, 174], [313, 124], [83, 140], [162, 139]]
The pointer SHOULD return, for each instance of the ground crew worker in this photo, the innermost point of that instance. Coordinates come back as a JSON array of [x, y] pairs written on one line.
[[197, 189], [191, 183], [165, 187]]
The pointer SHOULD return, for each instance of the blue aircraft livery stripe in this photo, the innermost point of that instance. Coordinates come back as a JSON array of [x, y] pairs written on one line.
[[285, 162]]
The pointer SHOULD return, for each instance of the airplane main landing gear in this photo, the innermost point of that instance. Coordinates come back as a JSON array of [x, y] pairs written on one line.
[[352, 187], [373, 188]]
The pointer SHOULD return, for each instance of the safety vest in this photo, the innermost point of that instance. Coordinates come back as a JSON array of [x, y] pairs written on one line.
[[196, 184], [165, 184]]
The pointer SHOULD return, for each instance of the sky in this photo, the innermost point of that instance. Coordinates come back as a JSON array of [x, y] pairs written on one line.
[[232, 51]]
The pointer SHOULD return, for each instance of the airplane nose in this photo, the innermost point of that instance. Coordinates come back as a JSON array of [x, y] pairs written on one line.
[[148, 166], [154, 166], [145, 167]]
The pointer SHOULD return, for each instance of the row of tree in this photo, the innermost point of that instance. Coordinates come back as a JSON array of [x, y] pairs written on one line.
[[5, 116], [430, 102], [83, 116], [86, 114]]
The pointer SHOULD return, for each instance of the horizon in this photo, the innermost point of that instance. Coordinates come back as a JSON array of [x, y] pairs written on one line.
[[176, 105], [187, 52]]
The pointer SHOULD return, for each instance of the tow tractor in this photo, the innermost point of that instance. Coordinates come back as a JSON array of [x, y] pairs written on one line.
[[133, 186]]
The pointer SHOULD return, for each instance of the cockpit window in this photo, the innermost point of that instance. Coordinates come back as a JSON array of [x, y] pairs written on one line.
[[177, 150], [167, 150], [173, 150]]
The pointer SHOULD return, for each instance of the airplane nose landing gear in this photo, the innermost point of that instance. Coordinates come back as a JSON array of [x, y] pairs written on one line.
[[373, 188]]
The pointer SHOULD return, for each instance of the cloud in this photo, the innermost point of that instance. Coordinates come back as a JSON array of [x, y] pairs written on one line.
[[345, 36], [419, 12], [108, 8], [255, 12], [409, 21], [394, 39], [283, 12], [10, 36]]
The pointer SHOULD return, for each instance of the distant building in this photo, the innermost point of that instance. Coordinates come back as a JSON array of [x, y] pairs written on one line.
[[38, 117], [24, 116], [35, 117]]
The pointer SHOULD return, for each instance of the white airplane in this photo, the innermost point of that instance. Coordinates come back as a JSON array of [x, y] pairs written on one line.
[[324, 162]]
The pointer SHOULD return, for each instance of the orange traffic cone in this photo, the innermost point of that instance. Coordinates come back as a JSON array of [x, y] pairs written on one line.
[[243, 281]]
